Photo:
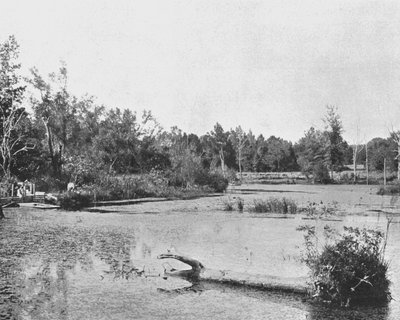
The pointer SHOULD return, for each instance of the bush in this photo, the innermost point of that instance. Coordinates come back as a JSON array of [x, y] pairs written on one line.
[[275, 205], [350, 268], [75, 201], [215, 180]]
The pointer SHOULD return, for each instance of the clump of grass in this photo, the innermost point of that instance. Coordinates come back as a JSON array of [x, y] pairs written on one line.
[[320, 209], [228, 205], [349, 268], [391, 189], [275, 205]]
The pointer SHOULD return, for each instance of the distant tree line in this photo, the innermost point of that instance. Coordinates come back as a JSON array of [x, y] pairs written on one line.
[[65, 138]]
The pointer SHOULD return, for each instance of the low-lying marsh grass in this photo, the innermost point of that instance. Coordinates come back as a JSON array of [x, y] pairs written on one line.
[[390, 189]]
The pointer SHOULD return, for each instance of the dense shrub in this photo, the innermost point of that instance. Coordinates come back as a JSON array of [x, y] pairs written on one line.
[[274, 205], [350, 268], [74, 200], [214, 180], [321, 173]]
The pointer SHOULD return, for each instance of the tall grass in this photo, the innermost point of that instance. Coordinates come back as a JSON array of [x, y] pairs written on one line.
[[274, 205]]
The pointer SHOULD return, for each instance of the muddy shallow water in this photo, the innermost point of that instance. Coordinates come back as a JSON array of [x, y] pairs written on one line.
[[90, 265]]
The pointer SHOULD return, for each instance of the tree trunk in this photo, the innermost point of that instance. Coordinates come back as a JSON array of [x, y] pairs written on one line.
[[398, 161], [355, 164], [384, 171], [198, 273], [240, 165], [222, 158], [366, 162], [53, 156]]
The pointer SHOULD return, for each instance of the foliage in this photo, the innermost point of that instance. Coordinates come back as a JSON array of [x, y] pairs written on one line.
[[13, 142], [239, 141], [75, 201], [275, 205], [336, 145], [380, 149], [312, 154], [214, 179], [350, 267], [320, 173]]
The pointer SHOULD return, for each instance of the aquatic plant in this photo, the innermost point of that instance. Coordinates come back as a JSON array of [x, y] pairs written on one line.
[[391, 189], [349, 268], [320, 209], [228, 205], [274, 205]]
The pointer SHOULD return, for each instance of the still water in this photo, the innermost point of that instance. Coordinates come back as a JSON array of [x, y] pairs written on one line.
[[84, 265]]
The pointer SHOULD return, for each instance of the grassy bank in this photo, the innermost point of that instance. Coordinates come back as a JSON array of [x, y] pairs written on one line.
[[155, 185]]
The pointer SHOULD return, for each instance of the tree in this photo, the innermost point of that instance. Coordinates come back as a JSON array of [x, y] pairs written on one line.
[[239, 140], [11, 143], [312, 155], [118, 143], [217, 148], [11, 113], [395, 136], [356, 148], [280, 155], [55, 108], [380, 149], [335, 142]]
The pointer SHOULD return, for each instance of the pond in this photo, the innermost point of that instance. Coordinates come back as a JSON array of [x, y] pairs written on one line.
[[91, 265]]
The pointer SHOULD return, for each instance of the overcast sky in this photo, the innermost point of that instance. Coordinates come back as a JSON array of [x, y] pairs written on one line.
[[269, 66]]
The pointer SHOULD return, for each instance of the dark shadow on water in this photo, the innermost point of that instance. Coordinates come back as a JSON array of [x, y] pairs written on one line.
[[319, 311], [316, 310]]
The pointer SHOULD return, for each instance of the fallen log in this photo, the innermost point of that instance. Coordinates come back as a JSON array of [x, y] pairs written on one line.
[[198, 273]]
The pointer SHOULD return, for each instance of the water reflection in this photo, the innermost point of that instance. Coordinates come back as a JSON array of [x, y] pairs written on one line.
[[323, 312], [35, 263]]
